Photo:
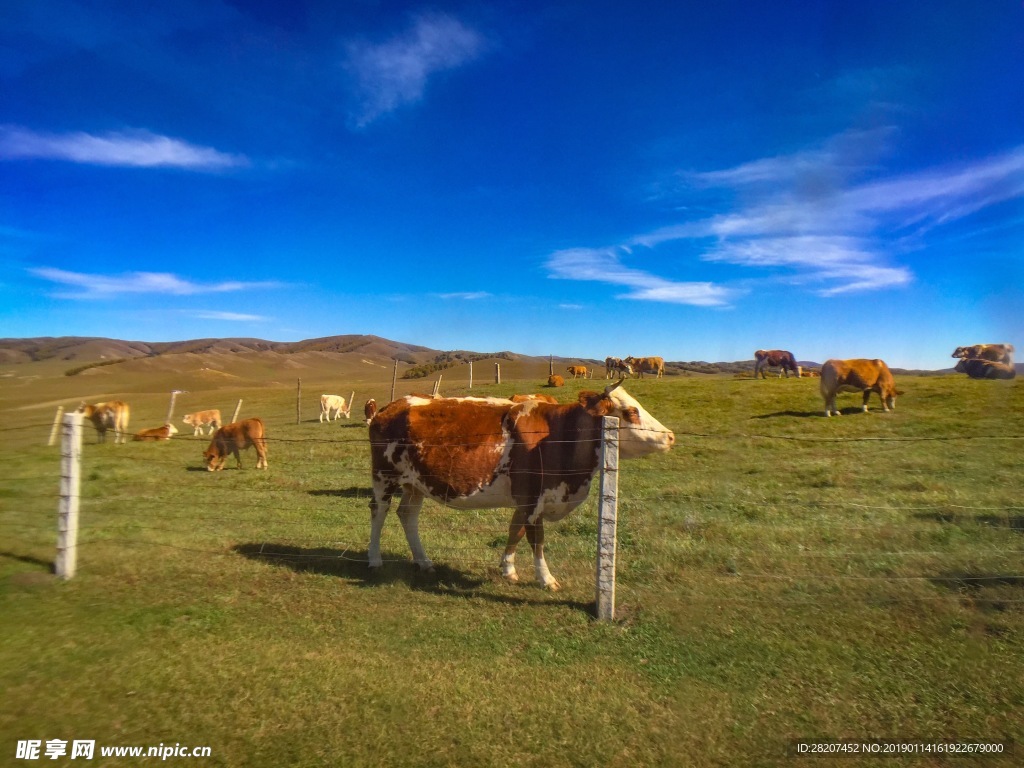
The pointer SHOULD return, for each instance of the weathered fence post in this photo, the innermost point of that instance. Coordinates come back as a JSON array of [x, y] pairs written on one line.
[[607, 518], [170, 408], [56, 425], [551, 365], [470, 374], [70, 484], [394, 381], [348, 412], [237, 409], [497, 373], [298, 402]]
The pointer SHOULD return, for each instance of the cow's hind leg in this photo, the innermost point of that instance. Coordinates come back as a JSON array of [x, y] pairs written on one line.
[[535, 535], [409, 515], [383, 491]]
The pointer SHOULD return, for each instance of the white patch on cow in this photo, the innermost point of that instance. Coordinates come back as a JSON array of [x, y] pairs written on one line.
[[555, 503]]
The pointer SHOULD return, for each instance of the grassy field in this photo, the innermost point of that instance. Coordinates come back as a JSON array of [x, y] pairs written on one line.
[[782, 576]]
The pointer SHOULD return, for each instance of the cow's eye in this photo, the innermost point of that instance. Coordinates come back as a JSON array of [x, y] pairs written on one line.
[[631, 415]]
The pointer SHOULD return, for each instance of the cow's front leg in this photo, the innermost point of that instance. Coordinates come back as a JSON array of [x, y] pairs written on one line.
[[535, 535], [409, 513], [516, 531], [379, 506]]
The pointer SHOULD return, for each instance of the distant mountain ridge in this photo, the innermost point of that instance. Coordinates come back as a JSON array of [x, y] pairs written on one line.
[[90, 349]]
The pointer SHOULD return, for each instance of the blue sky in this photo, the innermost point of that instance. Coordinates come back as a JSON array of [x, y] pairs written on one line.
[[695, 180]]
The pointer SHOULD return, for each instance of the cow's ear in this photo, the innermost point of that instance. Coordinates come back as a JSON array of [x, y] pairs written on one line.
[[595, 403]]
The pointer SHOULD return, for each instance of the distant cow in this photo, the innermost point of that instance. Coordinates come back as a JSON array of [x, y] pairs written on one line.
[[576, 371], [200, 419], [235, 437], [157, 433], [977, 368], [615, 365], [997, 353], [476, 453], [556, 381], [858, 375], [642, 365], [333, 404], [775, 358], [111, 415], [369, 410]]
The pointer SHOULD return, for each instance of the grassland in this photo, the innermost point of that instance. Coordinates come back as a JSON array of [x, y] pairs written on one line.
[[781, 576]]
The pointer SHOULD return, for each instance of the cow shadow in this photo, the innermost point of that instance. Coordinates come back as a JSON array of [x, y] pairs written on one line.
[[354, 492], [790, 414], [1014, 523], [351, 565]]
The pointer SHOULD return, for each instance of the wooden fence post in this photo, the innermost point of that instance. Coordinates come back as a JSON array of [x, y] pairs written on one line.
[[298, 402], [551, 365], [394, 381], [70, 484], [237, 409], [470, 374], [437, 386], [497, 373], [351, 397], [56, 425], [607, 518], [170, 408]]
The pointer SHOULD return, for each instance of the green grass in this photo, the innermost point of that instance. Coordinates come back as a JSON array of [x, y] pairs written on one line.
[[781, 576]]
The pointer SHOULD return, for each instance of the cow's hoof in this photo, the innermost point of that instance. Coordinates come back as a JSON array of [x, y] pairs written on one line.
[[552, 586]]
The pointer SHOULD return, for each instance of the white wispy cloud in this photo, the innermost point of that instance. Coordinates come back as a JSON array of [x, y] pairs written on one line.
[[134, 149], [92, 286], [604, 265], [393, 73], [465, 295], [229, 316], [812, 218]]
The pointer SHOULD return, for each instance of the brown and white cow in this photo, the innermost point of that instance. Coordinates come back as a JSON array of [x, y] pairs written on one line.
[[369, 410], [235, 437], [577, 371], [997, 353], [333, 405], [977, 368], [531, 398], [615, 365], [111, 415], [858, 375], [157, 433], [535, 457], [775, 358], [642, 365], [200, 419]]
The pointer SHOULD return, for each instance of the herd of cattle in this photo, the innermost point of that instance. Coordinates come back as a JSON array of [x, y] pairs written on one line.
[[527, 452]]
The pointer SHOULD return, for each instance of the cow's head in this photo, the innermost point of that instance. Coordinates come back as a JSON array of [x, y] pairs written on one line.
[[214, 458], [639, 432]]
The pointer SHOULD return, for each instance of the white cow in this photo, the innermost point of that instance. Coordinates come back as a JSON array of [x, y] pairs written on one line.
[[333, 406]]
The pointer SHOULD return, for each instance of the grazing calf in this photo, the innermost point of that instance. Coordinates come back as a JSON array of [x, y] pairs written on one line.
[[482, 453], [333, 404], [157, 433], [997, 353], [235, 437], [857, 375], [775, 358], [977, 368], [200, 419], [370, 410], [111, 415], [577, 371]]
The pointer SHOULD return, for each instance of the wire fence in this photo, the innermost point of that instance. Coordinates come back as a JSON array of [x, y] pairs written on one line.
[[299, 520]]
